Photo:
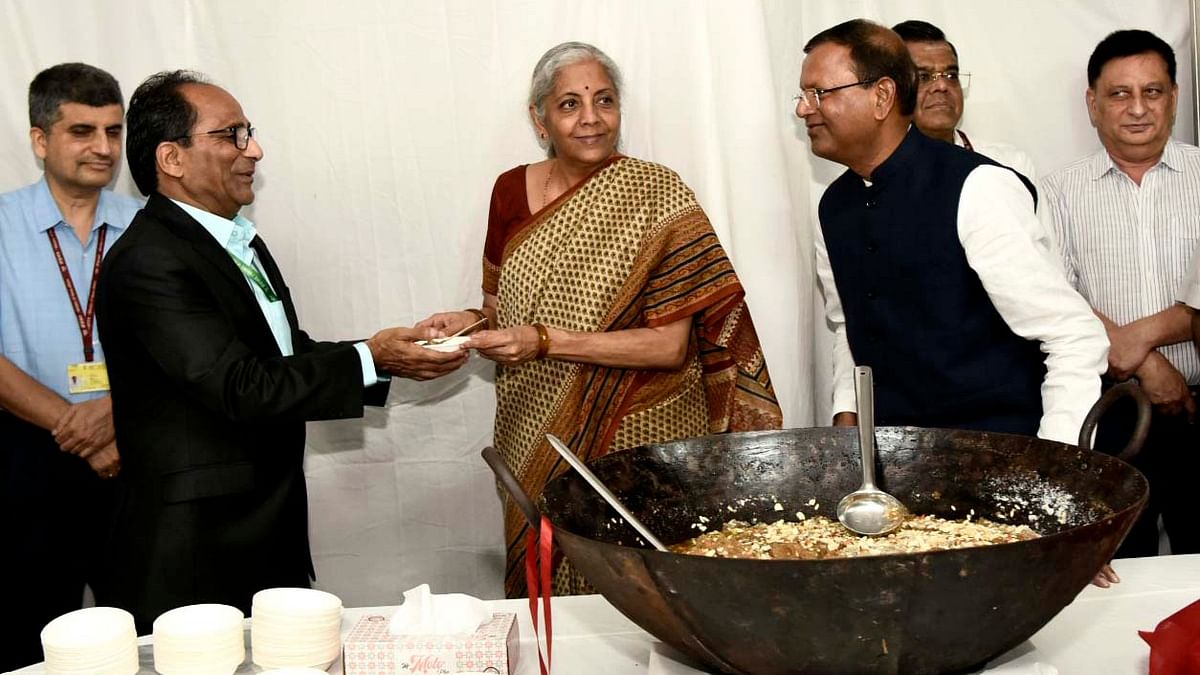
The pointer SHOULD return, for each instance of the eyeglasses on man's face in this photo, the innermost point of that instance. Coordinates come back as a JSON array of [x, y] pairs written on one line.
[[239, 135], [953, 78], [812, 97]]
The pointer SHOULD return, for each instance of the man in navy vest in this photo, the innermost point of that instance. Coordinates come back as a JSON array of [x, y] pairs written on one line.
[[935, 269]]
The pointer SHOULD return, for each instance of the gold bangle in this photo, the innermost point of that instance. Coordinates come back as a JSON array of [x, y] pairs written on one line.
[[543, 341], [481, 316]]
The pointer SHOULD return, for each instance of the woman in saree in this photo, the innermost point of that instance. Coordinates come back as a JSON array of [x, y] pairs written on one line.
[[614, 315]]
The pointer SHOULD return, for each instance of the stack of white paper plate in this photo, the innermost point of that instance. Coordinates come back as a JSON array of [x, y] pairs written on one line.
[[295, 627], [96, 641], [199, 640]]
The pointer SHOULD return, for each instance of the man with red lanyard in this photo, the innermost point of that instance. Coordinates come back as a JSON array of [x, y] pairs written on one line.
[[57, 446]]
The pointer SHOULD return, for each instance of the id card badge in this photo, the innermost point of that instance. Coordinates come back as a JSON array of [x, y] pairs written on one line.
[[83, 378]]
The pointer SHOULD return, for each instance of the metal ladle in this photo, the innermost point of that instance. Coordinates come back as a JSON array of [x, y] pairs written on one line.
[[577, 464], [868, 510]]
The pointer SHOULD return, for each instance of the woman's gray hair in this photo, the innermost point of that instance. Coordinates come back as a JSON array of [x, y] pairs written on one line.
[[545, 75]]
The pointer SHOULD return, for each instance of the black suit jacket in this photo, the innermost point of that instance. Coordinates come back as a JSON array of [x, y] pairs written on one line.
[[209, 419]]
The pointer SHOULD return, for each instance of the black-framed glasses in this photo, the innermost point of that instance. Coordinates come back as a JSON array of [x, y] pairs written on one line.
[[239, 134], [952, 78], [812, 97]]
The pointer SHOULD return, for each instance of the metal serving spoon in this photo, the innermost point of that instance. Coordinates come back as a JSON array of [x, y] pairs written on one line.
[[609, 497], [868, 510]]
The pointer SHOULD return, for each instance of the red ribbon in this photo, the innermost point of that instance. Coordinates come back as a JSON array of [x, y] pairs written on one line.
[[86, 319], [539, 566], [1175, 643]]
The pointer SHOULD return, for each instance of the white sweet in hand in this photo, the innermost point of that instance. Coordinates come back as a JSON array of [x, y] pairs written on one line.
[[450, 344]]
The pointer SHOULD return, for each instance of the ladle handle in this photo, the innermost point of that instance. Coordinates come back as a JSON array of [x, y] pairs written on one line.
[[864, 394], [512, 486], [602, 489], [1140, 430]]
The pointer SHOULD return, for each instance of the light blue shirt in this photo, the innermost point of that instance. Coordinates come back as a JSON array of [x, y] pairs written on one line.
[[235, 236], [38, 329]]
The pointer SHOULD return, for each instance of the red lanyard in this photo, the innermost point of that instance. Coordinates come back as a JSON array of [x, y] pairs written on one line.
[[86, 319], [539, 558]]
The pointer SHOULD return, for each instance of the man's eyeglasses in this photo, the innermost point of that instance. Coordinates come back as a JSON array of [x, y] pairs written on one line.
[[952, 78], [240, 135], [812, 97]]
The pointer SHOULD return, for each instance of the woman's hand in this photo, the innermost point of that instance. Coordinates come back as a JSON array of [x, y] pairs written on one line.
[[448, 323], [507, 347], [659, 348]]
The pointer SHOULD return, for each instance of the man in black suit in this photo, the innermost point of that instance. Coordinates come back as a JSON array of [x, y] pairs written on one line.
[[212, 378]]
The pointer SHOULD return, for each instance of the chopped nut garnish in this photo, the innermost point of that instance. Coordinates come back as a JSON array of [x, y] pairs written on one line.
[[819, 537]]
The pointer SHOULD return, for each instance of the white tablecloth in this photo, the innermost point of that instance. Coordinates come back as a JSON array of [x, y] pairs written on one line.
[[1094, 635]]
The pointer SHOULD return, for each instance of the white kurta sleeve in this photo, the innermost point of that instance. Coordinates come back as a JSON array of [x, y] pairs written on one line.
[[843, 360], [1015, 259]]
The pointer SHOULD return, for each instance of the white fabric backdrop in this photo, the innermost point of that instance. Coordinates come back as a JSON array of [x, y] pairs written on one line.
[[385, 123]]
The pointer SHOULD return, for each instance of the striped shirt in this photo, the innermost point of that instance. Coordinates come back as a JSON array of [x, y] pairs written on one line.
[[1189, 293], [1125, 247]]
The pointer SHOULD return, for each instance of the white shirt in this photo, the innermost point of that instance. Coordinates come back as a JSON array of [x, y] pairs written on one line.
[[1002, 153], [1009, 250], [1127, 247]]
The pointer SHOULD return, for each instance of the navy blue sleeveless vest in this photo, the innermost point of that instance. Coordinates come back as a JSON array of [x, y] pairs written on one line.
[[915, 311]]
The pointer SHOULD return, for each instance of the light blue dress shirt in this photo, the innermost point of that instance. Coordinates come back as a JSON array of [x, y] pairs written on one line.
[[235, 236], [38, 329]]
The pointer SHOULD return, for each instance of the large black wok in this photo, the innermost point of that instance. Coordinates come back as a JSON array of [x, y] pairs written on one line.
[[936, 612]]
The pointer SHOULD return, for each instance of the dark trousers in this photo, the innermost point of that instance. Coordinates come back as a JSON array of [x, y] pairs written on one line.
[[1170, 460], [53, 522]]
